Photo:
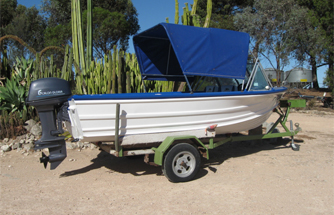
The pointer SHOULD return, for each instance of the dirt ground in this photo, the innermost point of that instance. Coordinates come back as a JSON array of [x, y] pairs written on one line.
[[240, 178]]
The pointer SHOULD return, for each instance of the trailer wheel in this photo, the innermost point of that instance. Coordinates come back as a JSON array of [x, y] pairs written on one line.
[[181, 163]]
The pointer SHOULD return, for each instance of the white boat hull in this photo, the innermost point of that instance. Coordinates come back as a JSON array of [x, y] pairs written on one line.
[[94, 120]]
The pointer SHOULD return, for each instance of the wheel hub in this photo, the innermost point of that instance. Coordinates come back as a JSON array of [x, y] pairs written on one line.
[[183, 164]]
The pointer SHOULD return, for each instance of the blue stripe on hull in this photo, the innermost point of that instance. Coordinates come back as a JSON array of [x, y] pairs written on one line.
[[170, 95]]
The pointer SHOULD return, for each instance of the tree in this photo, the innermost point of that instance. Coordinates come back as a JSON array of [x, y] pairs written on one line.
[[307, 42], [321, 18], [269, 24], [57, 11], [109, 28], [7, 8], [115, 17], [28, 25]]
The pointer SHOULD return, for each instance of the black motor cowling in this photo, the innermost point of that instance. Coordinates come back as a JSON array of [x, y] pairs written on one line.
[[49, 96]]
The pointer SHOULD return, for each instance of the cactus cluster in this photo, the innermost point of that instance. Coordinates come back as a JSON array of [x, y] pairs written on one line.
[[116, 73], [190, 17]]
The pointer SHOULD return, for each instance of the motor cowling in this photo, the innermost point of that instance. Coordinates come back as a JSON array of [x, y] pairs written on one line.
[[49, 96]]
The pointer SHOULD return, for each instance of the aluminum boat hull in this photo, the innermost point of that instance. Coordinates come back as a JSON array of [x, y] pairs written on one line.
[[93, 117]]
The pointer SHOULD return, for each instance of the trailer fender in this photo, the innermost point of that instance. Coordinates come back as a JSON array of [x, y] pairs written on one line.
[[164, 146]]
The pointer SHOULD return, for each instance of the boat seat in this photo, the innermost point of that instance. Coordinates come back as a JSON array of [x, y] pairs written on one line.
[[228, 88]]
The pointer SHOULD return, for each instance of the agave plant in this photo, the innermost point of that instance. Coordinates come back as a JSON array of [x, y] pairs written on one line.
[[12, 96], [23, 67]]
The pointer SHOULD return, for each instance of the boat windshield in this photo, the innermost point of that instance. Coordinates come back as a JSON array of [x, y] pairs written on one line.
[[255, 79], [258, 80]]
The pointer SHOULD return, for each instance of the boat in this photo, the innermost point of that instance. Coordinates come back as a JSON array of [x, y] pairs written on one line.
[[227, 92], [179, 53]]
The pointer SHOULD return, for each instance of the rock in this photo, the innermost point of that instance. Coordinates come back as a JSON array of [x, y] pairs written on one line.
[[80, 145], [5, 148], [22, 141], [86, 145], [36, 130], [93, 146], [16, 145], [29, 147], [70, 145], [21, 137], [29, 141], [30, 123], [31, 137], [5, 140]]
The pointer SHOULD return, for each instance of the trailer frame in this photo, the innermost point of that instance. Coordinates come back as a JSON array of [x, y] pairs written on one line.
[[170, 142]]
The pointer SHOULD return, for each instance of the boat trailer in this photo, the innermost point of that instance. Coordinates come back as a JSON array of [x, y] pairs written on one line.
[[179, 156], [178, 153]]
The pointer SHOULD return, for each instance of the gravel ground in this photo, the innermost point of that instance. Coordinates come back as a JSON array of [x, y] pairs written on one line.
[[239, 178]]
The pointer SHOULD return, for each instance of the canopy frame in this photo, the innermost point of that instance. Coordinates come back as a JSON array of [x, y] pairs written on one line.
[[170, 52]]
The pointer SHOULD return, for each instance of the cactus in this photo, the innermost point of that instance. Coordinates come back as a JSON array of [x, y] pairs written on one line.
[[195, 18], [89, 33], [80, 38], [176, 21], [120, 67], [24, 115], [74, 33], [128, 82], [208, 14], [77, 41], [114, 70], [36, 66], [194, 8], [109, 76], [64, 71], [51, 72], [184, 16], [4, 66]]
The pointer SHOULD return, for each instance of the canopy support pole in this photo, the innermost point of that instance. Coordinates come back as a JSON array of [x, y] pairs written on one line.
[[185, 77], [168, 58]]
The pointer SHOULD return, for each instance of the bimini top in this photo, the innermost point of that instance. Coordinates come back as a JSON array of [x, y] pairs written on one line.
[[170, 51]]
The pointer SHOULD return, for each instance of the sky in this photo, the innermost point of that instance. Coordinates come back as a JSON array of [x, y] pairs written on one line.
[[153, 12]]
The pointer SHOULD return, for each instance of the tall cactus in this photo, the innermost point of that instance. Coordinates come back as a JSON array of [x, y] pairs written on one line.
[[109, 77], [74, 34], [208, 14], [77, 41], [120, 67], [89, 33], [64, 68], [114, 70], [194, 8], [176, 21], [80, 38]]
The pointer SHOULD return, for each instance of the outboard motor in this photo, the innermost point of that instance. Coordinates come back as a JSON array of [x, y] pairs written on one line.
[[48, 96]]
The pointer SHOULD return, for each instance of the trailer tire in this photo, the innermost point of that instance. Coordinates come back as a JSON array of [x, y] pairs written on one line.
[[181, 163]]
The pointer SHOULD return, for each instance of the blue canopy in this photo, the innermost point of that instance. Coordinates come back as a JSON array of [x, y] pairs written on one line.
[[169, 52]]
